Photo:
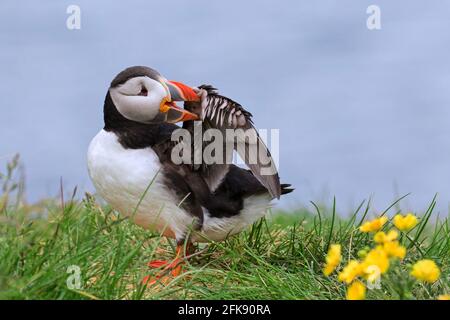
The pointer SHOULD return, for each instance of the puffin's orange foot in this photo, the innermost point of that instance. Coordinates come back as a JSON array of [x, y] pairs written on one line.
[[176, 267], [166, 265], [152, 280], [173, 268], [155, 264]]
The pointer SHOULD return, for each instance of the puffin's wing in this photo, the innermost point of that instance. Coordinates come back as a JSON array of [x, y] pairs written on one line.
[[222, 113]]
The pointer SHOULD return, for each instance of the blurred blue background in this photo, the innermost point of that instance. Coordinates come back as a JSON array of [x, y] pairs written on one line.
[[362, 113]]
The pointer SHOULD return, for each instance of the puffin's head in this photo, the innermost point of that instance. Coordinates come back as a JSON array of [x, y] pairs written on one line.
[[141, 94]]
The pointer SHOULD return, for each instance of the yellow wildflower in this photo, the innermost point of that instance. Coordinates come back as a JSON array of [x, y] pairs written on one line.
[[350, 272], [426, 270], [444, 297], [394, 250], [374, 225], [376, 257], [405, 223], [356, 291], [381, 237], [333, 259]]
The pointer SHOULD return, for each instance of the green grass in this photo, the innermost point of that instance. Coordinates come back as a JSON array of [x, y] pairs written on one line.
[[280, 257]]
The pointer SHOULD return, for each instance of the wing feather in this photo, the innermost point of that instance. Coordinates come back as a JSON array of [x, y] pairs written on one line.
[[250, 147]]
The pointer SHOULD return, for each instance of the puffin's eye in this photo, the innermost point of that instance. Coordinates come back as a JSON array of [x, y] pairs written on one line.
[[144, 91]]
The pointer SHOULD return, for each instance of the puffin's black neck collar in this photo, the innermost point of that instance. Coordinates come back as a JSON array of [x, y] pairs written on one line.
[[132, 134], [114, 121]]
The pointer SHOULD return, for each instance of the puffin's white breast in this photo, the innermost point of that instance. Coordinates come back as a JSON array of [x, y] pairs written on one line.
[[121, 177]]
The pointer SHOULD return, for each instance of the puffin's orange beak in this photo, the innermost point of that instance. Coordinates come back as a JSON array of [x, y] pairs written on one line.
[[178, 92], [181, 92]]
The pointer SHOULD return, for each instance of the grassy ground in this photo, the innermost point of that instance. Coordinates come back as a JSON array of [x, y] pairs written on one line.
[[278, 258]]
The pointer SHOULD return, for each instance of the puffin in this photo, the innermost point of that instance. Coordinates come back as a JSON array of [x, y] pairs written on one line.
[[134, 163]]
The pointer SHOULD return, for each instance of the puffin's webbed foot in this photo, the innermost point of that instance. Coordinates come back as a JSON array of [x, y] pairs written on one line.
[[169, 268]]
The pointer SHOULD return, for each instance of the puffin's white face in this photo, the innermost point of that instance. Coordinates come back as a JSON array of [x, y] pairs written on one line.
[[150, 99], [139, 99]]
